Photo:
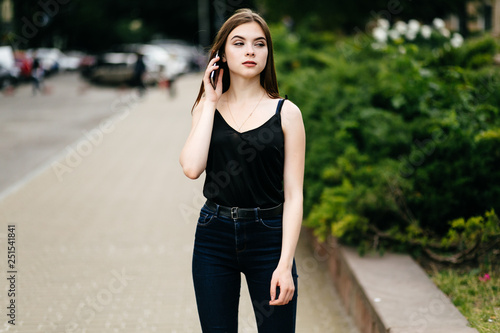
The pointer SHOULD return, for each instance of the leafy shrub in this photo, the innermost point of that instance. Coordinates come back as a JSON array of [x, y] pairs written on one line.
[[475, 54], [400, 140]]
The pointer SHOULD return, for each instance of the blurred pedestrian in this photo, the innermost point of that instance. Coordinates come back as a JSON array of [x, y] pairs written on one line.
[[138, 75], [165, 81], [251, 144], [37, 74], [171, 87]]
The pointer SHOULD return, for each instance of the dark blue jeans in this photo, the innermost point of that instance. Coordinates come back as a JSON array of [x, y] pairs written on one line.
[[224, 248]]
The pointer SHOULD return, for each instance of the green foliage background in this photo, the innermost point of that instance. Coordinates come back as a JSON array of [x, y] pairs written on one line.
[[352, 16], [402, 142]]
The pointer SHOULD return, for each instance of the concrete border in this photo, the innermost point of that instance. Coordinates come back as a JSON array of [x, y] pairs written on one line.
[[389, 293]]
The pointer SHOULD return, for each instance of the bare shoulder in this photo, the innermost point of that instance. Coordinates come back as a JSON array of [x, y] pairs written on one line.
[[290, 113]]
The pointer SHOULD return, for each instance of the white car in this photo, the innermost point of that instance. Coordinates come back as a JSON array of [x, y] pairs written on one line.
[[184, 57], [70, 60], [9, 73]]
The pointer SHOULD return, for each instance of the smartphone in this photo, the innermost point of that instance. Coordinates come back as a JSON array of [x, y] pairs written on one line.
[[214, 76]]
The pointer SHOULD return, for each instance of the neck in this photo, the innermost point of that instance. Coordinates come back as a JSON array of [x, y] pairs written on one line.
[[244, 90]]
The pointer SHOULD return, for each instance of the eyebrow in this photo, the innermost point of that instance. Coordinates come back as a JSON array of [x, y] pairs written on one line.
[[241, 37]]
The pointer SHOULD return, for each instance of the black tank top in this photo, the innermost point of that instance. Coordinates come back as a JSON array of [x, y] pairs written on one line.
[[246, 169]]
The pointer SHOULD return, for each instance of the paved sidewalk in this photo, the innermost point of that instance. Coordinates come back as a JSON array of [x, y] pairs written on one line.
[[104, 237]]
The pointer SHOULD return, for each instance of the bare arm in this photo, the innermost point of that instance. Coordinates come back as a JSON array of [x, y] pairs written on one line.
[[293, 179], [194, 154]]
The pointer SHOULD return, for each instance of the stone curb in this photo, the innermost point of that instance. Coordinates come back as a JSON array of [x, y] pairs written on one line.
[[389, 293]]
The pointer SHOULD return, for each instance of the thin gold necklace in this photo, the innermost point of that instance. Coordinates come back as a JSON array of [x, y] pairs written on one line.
[[248, 115]]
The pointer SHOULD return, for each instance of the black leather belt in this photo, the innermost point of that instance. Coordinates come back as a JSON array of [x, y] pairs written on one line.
[[244, 213]]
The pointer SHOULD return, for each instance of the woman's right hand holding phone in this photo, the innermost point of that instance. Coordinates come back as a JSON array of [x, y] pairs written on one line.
[[211, 94]]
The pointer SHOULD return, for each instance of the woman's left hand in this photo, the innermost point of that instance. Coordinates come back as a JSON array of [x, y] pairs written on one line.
[[282, 278]]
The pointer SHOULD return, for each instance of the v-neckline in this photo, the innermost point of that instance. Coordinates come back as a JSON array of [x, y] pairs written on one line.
[[252, 129]]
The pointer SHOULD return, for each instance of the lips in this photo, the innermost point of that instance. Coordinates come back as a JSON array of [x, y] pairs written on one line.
[[249, 63]]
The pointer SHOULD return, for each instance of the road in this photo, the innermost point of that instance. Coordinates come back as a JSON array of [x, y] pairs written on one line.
[[104, 218], [34, 129]]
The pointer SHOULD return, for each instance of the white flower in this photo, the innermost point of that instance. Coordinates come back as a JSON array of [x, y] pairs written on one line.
[[411, 35], [394, 34], [457, 40], [380, 34], [400, 27], [438, 23], [383, 23], [414, 26], [445, 32], [426, 31]]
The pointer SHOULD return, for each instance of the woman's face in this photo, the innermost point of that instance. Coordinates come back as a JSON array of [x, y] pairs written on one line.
[[246, 50]]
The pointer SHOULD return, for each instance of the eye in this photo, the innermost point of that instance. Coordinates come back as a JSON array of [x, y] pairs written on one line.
[[238, 43], [261, 44]]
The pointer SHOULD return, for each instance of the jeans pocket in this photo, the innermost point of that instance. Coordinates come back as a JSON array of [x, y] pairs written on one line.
[[274, 223], [206, 217]]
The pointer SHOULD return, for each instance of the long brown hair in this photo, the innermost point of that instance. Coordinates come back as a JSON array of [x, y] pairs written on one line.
[[268, 79]]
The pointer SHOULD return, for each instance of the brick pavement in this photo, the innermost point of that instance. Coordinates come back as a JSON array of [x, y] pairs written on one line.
[[104, 237]]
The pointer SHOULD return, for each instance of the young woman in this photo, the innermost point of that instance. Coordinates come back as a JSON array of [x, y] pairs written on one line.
[[251, 144]]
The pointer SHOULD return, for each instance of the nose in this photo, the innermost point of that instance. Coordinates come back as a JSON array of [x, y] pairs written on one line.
[[250, 51]]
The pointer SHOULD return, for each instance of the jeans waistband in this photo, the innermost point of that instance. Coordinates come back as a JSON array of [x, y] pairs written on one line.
[[244, 213]]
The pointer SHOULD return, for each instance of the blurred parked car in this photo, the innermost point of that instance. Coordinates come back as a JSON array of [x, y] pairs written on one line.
[[6, 78], [117, 66], [87, 64], [9, 73], [185, 57], [70, 60]]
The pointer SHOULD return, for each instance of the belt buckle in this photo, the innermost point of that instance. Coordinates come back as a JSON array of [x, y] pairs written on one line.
[[234, 213]]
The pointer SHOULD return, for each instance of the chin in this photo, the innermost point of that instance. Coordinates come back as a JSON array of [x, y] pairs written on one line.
[[251, 72]]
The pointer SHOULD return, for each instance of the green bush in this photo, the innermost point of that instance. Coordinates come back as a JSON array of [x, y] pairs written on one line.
[[474, 54], [400, 140]]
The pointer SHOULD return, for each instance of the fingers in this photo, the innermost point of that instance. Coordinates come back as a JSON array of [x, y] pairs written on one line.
[[284, 298], [207, 80], [281, 283], [213, 61], [274, 284], [211, 67], [285, 294]]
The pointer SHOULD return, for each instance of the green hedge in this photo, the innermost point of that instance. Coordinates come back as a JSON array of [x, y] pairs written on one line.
[[401, 141]]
